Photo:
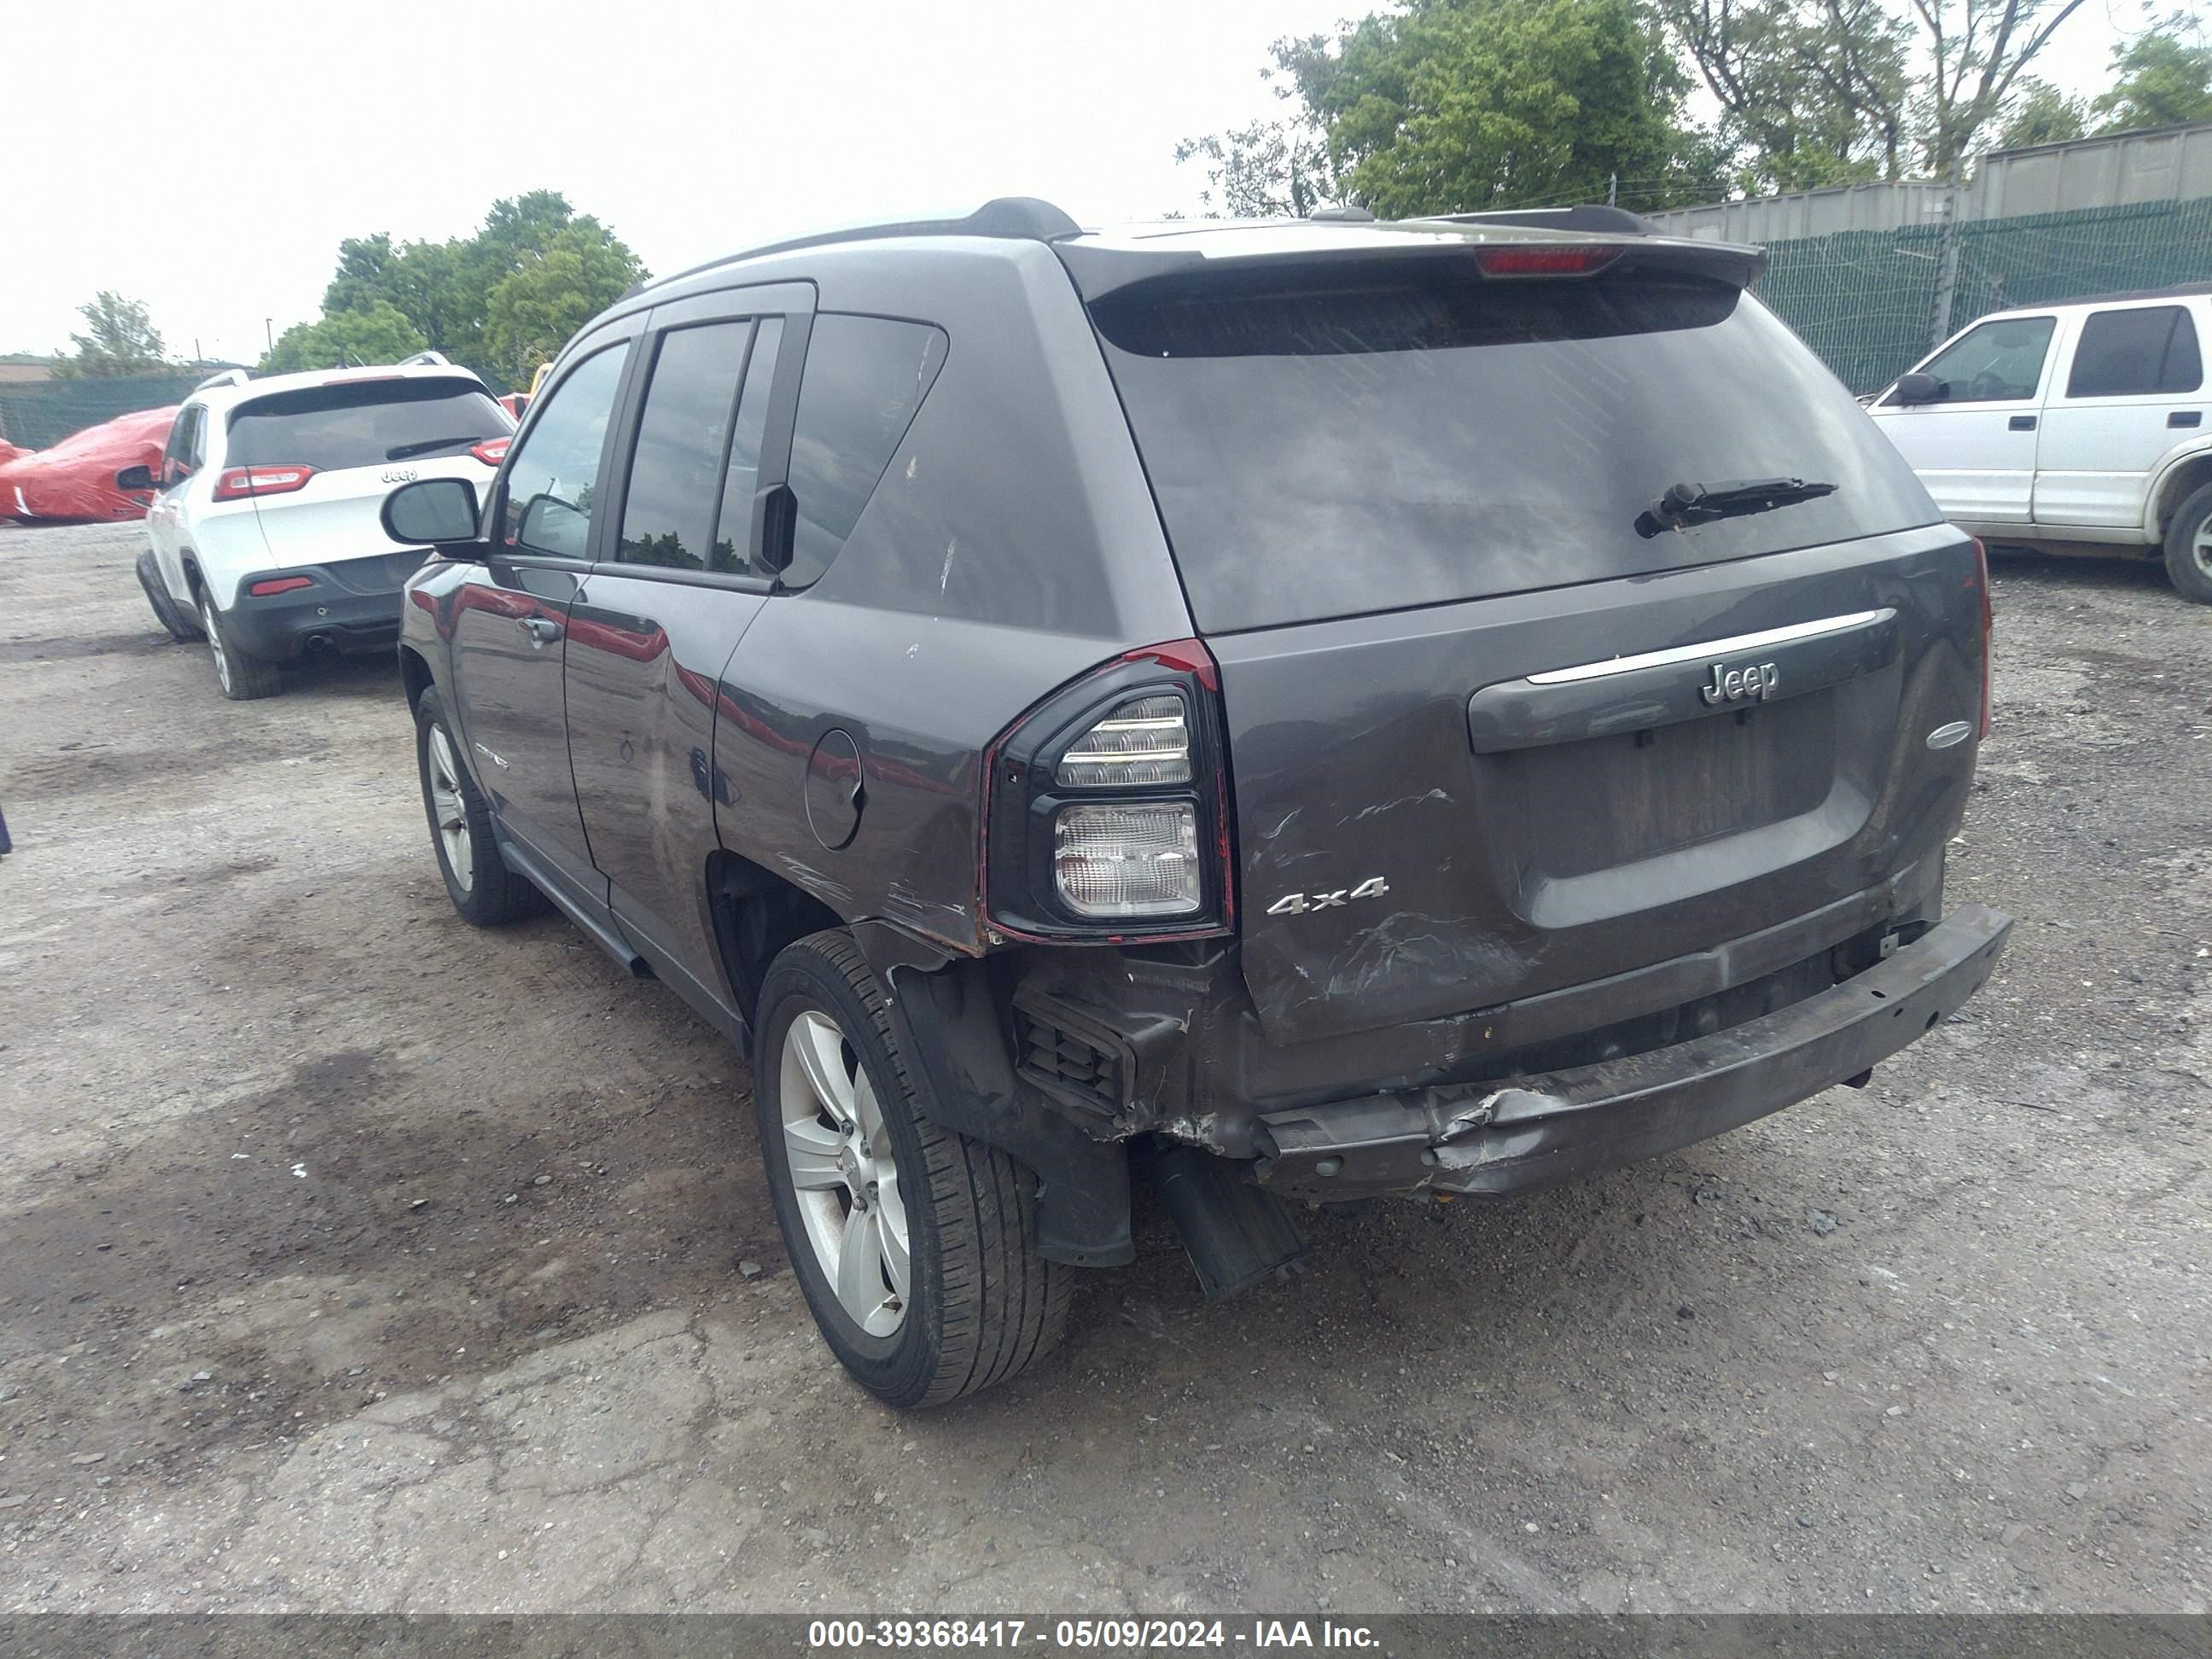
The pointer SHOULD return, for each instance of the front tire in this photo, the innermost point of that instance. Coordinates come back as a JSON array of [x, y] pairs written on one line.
[[167, 611], [914, 1245], [2189, 547], [482, 889], [243, 677]]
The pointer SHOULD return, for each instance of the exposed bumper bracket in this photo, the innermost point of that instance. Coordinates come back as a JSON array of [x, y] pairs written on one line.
[[1491, 1139]]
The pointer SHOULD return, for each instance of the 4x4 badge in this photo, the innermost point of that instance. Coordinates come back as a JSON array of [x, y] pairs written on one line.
[[1297, 904]]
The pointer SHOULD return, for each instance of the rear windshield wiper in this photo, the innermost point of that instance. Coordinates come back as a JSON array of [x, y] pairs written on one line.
[[1686, 504], [401, 452]]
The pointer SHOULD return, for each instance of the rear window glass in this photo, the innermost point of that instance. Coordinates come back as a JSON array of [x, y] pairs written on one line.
[[364, 424], [2146, 349], [1325, 449]]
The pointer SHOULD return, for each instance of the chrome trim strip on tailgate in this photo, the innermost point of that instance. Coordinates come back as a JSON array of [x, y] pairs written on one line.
[[1806, 631]]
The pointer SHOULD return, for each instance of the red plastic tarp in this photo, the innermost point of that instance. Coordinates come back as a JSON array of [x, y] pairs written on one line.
[[75, 479]]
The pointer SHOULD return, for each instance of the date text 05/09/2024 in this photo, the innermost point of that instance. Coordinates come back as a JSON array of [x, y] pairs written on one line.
[[1084, 1635]]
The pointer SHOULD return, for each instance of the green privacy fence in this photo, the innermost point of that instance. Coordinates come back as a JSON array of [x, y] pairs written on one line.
[[1865, 300], [35, 414]]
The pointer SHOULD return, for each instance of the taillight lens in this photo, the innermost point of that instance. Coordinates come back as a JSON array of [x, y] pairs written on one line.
[[1544, 261], [1989, 631], [234, 483], [269, 585], [492, 451], [1106, 807], [1139, 859], [1146, 741]]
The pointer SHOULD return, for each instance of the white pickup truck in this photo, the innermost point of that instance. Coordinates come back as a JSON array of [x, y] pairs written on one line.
[[2084, 428]]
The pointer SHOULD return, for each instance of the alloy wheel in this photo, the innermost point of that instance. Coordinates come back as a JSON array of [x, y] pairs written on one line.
[[214, 642], [448, 811], [845, 1176]]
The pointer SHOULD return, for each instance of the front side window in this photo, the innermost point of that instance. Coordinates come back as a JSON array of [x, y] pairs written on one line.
[[865, 378], [2145, 349], [1997, 362], [553, 475], [676, 472], [180, 458]]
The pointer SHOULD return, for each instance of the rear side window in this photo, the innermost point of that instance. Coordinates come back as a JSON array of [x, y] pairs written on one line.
[[1340, 444], [676, 472], [865, 378], [2144, 348], [364, 424], [733, 541]]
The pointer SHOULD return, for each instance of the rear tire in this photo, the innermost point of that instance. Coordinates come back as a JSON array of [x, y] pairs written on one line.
[[978, 1303], [244, 679], [485, 892], [2189, 547], [166, 612]]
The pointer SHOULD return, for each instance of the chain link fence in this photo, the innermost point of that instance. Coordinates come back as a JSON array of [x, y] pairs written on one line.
[[35, 414], [1866, 300]]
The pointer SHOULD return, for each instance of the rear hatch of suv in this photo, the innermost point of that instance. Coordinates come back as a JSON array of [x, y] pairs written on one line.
[[316, 461], [1496, 726]]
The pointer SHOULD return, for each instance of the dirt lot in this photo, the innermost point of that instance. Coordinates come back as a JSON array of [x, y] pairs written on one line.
[[354, 1259]]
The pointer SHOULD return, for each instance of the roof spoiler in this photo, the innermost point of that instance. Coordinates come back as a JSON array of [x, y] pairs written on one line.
[[1098, 271], [1586, 217]]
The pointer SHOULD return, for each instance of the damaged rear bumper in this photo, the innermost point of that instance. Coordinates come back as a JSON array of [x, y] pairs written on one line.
[[1491, 1139]]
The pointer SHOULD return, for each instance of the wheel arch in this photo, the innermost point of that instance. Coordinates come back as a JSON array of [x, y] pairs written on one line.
[[755, 913], [414, 675], [2180, 481]]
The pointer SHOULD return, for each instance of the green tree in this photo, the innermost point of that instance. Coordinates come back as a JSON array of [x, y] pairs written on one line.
[[378, 333], [1811, 94], [1268, 170], [2164, 80], [1825, 91], [554, 290], [2044, 115], [122, 340], [1455, 106]]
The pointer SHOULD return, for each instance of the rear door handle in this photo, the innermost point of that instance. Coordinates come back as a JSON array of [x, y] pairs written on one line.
[[2022, 423], [2185, 418], [541, 630]]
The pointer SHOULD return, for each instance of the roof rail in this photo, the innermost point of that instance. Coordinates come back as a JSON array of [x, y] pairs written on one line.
[[228, 377], [1348, 212], [1013, 218], [1588, 216], [437, 359]]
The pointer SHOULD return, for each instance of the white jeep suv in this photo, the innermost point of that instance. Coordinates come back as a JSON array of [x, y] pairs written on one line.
[[266, 539], [2085, 428]]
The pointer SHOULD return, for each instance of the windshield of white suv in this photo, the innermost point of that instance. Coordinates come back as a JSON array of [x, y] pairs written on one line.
[[363, 423], [1341, 444]]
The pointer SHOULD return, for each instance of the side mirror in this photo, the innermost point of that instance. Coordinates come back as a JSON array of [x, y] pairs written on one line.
[[438, 512], [135, 478], [1919, 388]]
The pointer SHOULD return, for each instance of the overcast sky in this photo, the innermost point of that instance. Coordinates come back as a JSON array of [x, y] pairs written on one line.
[[208, 158]]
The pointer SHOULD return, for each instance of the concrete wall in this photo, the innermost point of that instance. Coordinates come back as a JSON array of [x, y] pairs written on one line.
[[2168, 164]]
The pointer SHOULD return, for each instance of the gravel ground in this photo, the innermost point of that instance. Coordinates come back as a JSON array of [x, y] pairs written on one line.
[[358, 1260]]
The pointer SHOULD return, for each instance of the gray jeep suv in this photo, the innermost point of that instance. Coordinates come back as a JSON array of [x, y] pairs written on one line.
[[1289, 711]]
